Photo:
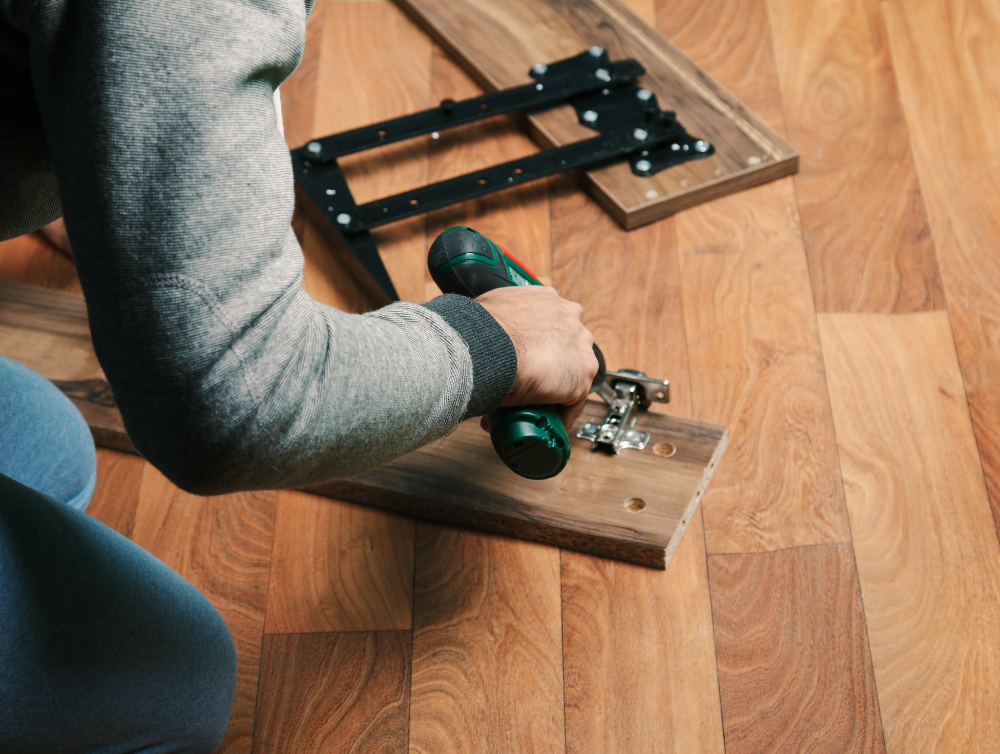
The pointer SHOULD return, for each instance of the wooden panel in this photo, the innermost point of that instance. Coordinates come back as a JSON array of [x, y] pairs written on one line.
[[48, 331], [487, 660], [753, 345], [339, 567], [498, 41], [795, 672], [459, 479], [116, 494], [376, 60], [344, 693], [927, 556], [866, 233], [222, 545], [949, 80], [756, 363], [298, 91], [638, 655]]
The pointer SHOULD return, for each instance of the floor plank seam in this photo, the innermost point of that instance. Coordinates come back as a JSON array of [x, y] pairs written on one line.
[[711, 612], [562, 653], [780, 549], [263, 627]]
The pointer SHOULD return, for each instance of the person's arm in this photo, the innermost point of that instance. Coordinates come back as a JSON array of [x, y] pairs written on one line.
[[177, 192]]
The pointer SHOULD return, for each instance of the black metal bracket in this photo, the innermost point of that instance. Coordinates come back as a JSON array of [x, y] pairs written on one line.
[[605, 96]]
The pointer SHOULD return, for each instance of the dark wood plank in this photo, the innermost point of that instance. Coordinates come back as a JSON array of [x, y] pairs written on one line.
[[866, 233], [222, 545], [927, 556], [33, 260], [949, 82], [753, 343], [344, 693], [460, 480], [638, 655], [795, 673], [487, 659], [497, 42], [116, 495], [339, 567], [457, 479]]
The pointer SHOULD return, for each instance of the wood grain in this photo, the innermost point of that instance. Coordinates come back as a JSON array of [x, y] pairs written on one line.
[[795, 673], [753, 344], [487, 660], [638, 654], [927, 555], [222, 545], [945, 59], [756, 364], [344, 693], [375, 64], [339, 567], [116, 495], [866, 232], [497, 42], [298, 91], [460, 480]]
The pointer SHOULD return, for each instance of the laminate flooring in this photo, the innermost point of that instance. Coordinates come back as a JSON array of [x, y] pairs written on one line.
[[839, 590]]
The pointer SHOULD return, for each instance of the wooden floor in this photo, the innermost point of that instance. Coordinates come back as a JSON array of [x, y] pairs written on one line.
[[840, 591]]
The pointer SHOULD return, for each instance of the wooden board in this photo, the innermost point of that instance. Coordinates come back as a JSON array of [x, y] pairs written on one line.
[[945, 61], [795, 673], [927, 555], [497, 42], [344, 692], [633, 507], [866, 233]]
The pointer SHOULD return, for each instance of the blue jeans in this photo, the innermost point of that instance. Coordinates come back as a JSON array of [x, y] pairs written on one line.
[[103, 648]]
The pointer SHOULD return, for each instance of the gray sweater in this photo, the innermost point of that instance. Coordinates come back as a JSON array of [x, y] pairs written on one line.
[[151, 127]]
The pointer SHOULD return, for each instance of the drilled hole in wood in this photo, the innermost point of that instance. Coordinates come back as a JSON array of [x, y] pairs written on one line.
[[664, 449], [635, 504]]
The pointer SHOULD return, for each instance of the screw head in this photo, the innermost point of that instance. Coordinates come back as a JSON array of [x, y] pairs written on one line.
[[590, 116], [314, 147], [596, 51], [644, 165], [640, 134], [344, 219], [539, 69], [675, 147], [539, 87], [602, 75], [644, 94], [701, 146], [331, 192]]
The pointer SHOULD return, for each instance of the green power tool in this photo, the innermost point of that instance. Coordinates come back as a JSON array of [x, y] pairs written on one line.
[[531, 440]]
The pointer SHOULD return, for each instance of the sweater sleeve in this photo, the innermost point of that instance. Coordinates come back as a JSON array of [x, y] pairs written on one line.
[[176, 187]]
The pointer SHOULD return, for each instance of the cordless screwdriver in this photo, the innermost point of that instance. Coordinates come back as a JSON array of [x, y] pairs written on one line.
[[531, 440]]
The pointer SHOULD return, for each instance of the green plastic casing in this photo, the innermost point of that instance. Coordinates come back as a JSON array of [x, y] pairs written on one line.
[[530, 440]]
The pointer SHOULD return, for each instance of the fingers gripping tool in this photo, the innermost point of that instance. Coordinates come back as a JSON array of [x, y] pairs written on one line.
[[531, 440]]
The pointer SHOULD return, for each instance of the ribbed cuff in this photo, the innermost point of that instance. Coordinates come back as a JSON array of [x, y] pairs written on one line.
[[494, 361]]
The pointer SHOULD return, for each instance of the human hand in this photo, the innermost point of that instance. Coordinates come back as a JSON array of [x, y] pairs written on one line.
[[555, 352]]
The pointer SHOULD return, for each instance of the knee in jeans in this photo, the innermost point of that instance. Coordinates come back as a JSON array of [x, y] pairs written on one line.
[[215, 666]]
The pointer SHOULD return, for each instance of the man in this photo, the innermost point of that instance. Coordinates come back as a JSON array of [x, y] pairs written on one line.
[[152, 128]]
